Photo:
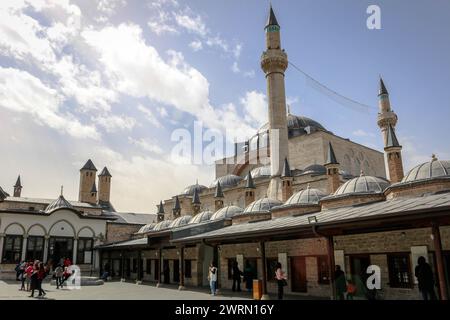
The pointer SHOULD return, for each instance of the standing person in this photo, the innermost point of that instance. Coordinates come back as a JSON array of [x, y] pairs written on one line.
[[249, 275], [23, 275], [42, 272], [281, 280], [351, 290], [341, 283], [34, 278], [59, 272], [236, 277], [425, 277], [17, 269], [67, 262], [28, 273], [212, 277]]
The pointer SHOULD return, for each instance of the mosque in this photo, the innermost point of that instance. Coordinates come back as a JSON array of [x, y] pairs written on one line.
[[294, 193]]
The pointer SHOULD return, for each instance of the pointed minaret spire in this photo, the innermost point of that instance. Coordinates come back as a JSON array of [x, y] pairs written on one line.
[[286, 169], [62, 189], [250, 184], [271, 19], [383, 89], [219, 192], [195, 198], [176, 210], [332, 166], [391, 138], [161, 208], [17, 187], [331, 157]]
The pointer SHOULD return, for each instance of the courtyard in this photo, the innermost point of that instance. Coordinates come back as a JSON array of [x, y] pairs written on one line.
[[9, 290]]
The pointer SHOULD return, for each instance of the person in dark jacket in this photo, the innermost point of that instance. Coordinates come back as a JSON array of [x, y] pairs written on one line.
[[424, 275], [249, 275], [341, 283], [34, 279], [236, 277]]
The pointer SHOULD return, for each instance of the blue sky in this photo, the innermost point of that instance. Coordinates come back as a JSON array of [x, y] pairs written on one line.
[[112, 79]]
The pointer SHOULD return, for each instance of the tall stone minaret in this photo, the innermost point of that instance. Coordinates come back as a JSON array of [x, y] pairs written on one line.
[[386, 116], [87, 182], [274, 63]]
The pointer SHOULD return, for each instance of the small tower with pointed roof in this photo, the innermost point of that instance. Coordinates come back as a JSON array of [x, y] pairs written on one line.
[[249, 189], [332, 166], [160, 212], [218, 197], [176, 210], [87, 183], [18, 188], [286, 181], [386, 117], [393, 152], [104, 186], [196, 204]]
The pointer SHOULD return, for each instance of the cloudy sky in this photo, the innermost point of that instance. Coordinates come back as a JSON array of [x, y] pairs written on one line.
[[111, 80]]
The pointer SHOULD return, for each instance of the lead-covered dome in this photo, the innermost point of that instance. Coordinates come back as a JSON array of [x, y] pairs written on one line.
[[165, 224], [59, 203], [180, 221], [428, 170], [228, 181], [189, 190], [306, 197], [227, 212], [264, 204], [147, 228], [315, 169], [201, 217], [363, 184], [297, 125]]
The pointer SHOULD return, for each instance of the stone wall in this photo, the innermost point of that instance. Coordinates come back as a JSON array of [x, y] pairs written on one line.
[[116, 232]]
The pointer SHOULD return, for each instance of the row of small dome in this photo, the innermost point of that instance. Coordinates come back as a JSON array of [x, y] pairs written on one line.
[[309, 196], [427, 170], [231, 180]]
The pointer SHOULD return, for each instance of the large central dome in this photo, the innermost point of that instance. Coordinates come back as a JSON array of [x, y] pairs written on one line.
[[298, 125]]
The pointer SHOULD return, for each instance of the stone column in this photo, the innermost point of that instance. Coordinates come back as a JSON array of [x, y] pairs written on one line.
[[160, 268], [2, 237], [46, 238], [262, 246], [139, 268], [24, 247], [331, 263], [181, 286], [122, 266], [439, 261], [74, 250]]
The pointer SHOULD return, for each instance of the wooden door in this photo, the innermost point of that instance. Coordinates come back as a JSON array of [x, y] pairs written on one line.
[[298, 274]]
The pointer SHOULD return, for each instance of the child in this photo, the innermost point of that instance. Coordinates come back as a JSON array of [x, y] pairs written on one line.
[[351, 290]]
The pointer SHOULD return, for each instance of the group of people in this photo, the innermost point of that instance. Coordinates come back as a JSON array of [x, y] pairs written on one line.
[[247, 276], [347, 289], [31, 274]]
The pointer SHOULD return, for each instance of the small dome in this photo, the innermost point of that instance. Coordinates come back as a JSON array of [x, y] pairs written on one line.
[[227, 212], [261, 172], [264, 204], [315, 169], [305, 197], [363, 184], [180, 221], [201, 217], [165, 224], [228, 181], [58, 204], [428, 170], [147, 228], [189, 190]]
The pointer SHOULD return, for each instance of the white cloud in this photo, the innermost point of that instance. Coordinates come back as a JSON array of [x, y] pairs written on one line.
[[237, 51], [255, 104], [191, 24], [196, 45], [249, 74], [146, 145], [160, 28], [362, 133], [235, 68], [149, 116], [22, 92], [162, 112], [110, 7], [114, 123]]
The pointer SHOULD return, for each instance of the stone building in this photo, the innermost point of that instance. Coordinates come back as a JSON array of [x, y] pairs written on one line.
[[51, 229], [300, 195]]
